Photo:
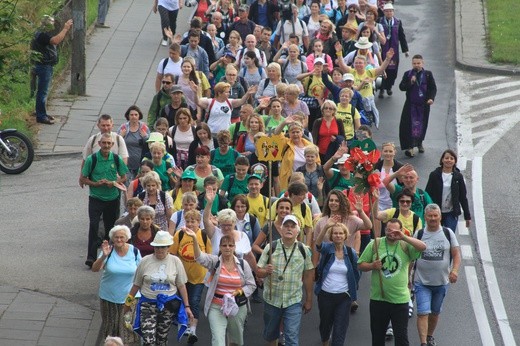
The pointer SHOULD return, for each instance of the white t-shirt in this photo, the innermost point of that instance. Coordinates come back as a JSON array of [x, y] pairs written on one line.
[[219, 116], [118, 148], [299, 158], [170, 5], [242, 247], [155, 276], [447, 203], [336, 279], [172, 67], [183, 139], [300, 29]]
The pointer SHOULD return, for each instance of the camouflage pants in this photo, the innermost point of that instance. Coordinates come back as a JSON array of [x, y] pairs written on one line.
[[156, 324]]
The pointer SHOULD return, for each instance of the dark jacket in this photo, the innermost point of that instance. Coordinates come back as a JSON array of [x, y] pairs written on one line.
[[271, 13], [352, 273], [458, 191]]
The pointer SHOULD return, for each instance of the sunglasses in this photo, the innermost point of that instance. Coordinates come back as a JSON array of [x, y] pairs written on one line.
[[166, 82], [405, 201], [352, 11]]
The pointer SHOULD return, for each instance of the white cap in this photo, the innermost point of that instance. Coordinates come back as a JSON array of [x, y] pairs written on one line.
[[388, 6], [348, 76], [343, 159], [319, 60], [290, 218]]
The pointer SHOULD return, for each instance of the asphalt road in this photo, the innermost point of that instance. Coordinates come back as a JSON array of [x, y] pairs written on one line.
[[44, 212]]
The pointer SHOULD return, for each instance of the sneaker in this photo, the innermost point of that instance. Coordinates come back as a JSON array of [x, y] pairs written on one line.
[[192, 338], [101, 25], [164, 43], [409, 152], [389, 333], [410, 308], [421, 148], [281, 339], [430, 341], [45, 120]]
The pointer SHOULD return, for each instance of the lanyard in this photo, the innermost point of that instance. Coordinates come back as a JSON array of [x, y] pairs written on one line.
[[389, 23], [290, 256]]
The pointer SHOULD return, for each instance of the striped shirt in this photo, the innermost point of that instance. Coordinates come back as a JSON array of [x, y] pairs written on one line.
[[228, 282]]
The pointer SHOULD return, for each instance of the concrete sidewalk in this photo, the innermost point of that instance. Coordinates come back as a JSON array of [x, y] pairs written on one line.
[[121, 64]]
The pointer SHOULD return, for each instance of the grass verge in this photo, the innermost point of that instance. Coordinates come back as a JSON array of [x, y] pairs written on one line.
[[504, 41], [16, 104]]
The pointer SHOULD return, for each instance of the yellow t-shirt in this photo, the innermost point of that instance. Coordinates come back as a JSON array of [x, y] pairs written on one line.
[[297, 211], [344, 114], [314, 87], [258, 207], [177, 202], [367, 90], [184, 250], [204, 82], [407, 221]]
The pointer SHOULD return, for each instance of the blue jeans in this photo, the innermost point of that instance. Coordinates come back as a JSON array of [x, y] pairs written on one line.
[[194, 295], [44, 75], [450, 220], [291, 317], [334, 316], [102, 11], [429, 298]]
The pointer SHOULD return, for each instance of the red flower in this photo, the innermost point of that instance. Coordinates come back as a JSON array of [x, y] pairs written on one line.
[[368, 166], [374, 179], [350, 164], [374, 156], [357, 155]]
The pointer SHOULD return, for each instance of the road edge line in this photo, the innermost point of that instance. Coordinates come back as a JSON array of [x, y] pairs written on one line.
[[485, 256], [478, 307]]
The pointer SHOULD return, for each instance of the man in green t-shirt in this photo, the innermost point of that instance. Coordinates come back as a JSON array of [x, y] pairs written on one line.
[[389, 258], [104, 173]]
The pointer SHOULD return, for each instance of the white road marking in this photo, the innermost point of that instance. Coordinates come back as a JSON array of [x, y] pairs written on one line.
[[487, 260], [478, 307], [466, 252], [461, 226]]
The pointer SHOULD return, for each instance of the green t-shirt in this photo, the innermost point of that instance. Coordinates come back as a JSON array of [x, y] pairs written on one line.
[[105, 169], [238, 187], [226, 162], [394, 273], [421, 200], [338, 182], [271, 123]]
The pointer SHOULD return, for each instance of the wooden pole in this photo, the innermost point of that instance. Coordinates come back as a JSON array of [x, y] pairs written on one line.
[[270, 224], [78, 83], [375, 246]]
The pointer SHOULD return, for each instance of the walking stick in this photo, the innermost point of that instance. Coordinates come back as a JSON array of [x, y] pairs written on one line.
[[375, 246]]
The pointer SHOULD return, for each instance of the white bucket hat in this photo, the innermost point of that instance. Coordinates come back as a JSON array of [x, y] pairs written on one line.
[[162, 238], [363, 43]]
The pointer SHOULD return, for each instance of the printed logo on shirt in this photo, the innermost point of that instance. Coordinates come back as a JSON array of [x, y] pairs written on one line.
[[434, 251]]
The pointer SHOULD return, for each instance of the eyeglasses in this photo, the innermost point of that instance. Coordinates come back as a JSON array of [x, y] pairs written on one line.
[[227, 245], [328, 108], [226, 225], [405, 201], [161, 247], [166, 82]]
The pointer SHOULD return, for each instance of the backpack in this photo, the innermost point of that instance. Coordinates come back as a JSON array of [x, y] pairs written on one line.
[[267, 80], [162, 196], [127, 126], [446, 232], [94, 162], [136, 252], [415, 219], [244, 71], [326, 259], [173, 129], [301, 247], [287, 62], [165, 63], [94, 141], [204, 235], [208, 112]]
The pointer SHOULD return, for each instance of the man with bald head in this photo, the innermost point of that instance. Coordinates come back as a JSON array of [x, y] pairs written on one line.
[[410, 178], [250, 45]]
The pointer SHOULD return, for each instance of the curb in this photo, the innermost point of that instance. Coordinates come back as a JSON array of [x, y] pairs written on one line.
[[462, 62]]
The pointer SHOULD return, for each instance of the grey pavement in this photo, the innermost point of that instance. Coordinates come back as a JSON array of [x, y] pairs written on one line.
[[121, 65]]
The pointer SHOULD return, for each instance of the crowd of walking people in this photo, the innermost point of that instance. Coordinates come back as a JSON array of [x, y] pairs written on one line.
[[206, 214]]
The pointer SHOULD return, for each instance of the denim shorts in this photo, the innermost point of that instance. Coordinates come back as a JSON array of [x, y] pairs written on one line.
[[194, 294], [429, 298], [291, 317]]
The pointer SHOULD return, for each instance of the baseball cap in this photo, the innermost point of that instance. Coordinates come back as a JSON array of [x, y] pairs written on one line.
[[290, 218]]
